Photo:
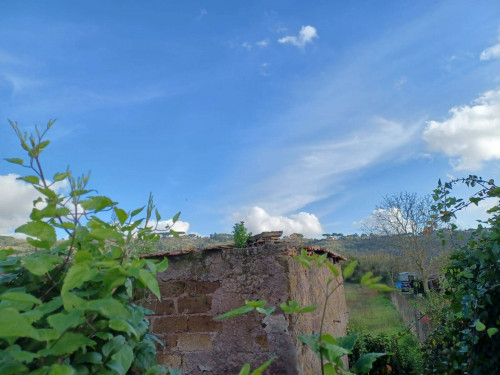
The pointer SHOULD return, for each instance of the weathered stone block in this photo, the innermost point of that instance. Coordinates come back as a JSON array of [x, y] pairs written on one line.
[[169, 360], [201, 287], [194, 342], [170, 324], [203, 324], [194, 305], [165, 307], [170, 289]]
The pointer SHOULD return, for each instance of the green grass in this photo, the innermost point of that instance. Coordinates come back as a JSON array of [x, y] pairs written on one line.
[[371, 311]]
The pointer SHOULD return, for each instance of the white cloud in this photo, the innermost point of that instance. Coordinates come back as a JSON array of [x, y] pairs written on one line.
[[492, 52], [262, 43], [471, 134], [314, 172], [16, 202], [179, 226], [22, 84], [258, 220], [306, 35]]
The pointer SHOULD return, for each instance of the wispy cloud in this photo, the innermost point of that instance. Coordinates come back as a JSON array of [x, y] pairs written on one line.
[[307, 174], [203, 13], [471, 135], [492, 52], [22, 84], [262, 43], [306, 35]]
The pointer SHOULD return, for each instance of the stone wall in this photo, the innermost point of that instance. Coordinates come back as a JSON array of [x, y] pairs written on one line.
[[201, 285]]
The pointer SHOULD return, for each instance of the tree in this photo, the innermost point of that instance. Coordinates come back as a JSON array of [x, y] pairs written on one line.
[[404, 219], [240, 234]]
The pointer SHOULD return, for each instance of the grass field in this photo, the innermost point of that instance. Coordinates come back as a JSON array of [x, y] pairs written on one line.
[[371, 311]]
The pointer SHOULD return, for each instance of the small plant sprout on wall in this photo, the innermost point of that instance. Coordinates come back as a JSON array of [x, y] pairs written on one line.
[[329, 350], [67, 307]]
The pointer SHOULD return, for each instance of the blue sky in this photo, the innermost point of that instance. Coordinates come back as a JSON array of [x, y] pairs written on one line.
[[289, 115]]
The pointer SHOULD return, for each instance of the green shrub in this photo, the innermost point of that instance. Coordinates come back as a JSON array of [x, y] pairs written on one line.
[[466, 337], [240, 234], [67, 308], [406, 357]]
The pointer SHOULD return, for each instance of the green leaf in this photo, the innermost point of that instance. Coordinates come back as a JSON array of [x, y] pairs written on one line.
[[56, 369], [366, 277], [72, 302], [62, 321], [113, 345], [176, 217], [46, 334], [68, 343], [381, 287], [77, 275], [105, 234], [30, 179], [157, 214], [97, 203], [122, 326], [60, 176], [15, 161], [260, 303], [121, 215], [239, 311], [348, 341], [40, 265], [320, 260], [121, 360], [137, 211], [245, 370], [5, 253], [329, 369], [492, 331], [20, 297], [149, 281], [40, 230], [109, 307], [90, 357], [480, 326], [14, 324], [145, 354], [364, 364], [163, 265], [303, 261], [306, 309], [258, 371], [348, 271], [268, 311], [334, 269]]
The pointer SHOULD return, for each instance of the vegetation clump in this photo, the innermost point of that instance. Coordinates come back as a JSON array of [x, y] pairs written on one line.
[[68, 307], [240, 234], [466, 338]]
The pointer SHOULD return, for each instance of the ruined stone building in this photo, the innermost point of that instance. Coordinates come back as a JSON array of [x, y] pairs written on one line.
[[200, 284]]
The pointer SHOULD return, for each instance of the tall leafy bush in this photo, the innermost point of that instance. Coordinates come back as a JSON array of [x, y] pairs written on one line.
[[67, 307]]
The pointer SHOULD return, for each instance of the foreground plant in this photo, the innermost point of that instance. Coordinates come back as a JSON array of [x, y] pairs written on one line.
[[67, 307], [466, 337], [330, 350]]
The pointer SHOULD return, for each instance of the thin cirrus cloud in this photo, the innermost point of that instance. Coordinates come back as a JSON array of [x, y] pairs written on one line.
[[257, 220], [470, 135], [325, 164], [491, 53], [306, 35]]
